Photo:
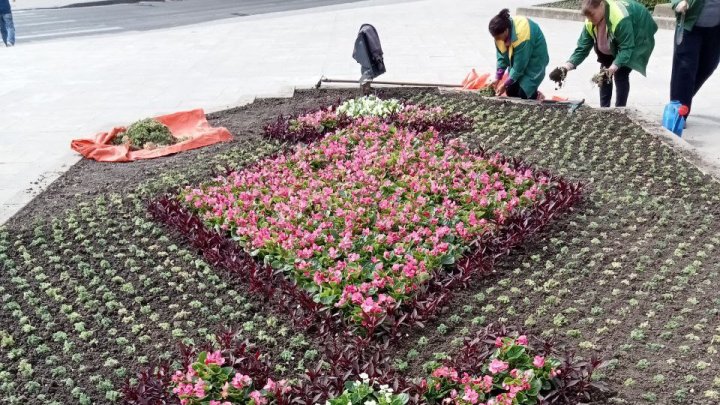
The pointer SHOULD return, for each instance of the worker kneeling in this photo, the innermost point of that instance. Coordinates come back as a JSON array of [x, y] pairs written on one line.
[[521, 47]]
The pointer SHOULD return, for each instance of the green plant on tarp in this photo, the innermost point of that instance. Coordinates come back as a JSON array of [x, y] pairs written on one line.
[[145, 134]]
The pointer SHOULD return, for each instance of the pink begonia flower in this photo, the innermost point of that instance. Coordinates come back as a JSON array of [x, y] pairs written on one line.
[[522, 340], [498, 342], [241, 381], [216, 402], [178, 377], [258, 398], [190, 372], [488, 383], [283, 386], [270, 386], [225, 390], [470, 395], [539, 361], [497, 366], [199, 388], [370, 307], [215, 358], [183, 389], [446, 372]]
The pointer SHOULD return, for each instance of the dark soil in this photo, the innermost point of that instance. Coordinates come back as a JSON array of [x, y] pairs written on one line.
[[630, 275]]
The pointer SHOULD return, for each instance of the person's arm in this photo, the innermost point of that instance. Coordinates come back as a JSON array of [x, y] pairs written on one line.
[[625, 38], [502, 59], [521, 58], [681, 6], [584, 45]]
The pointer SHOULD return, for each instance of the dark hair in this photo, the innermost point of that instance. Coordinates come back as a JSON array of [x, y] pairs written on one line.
[[500, 23], [588, 5]]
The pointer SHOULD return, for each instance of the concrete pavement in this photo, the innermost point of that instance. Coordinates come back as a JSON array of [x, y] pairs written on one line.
[[100, 17], [58, 90], [31, 4]]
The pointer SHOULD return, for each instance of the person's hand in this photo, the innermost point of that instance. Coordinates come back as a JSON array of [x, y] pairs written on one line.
[[569, 66], [612, 69], [500, 88], [682, 7]]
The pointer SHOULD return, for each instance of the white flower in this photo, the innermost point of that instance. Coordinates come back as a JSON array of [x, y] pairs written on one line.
[[364, 377], [369, 106], [371, 402]]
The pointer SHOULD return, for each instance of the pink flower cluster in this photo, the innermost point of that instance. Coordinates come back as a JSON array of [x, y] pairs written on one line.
[[202, 382], [366, 216], [476, 390], [510, 371], [321, 120]]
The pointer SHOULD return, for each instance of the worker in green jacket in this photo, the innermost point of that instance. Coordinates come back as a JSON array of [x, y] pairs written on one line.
[[697, 50], [520, 46], [622, 32]]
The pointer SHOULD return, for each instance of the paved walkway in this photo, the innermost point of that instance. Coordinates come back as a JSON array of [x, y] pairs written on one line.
[[58, 90], [30, 4]]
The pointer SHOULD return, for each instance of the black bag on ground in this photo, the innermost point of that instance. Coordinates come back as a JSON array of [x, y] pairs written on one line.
[[368, 53]]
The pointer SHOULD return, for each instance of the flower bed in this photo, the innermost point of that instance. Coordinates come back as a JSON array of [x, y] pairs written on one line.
[[365, 218], [93, 290]]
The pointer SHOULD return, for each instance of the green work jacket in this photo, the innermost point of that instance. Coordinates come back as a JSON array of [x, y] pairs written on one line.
[[631, 31], [527, 56]]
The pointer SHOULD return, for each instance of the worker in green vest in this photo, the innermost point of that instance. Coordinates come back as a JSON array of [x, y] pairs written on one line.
[[520, 46], [622, 32]]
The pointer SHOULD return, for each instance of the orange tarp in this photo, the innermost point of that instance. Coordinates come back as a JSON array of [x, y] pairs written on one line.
[[475, 81], [191, 126]]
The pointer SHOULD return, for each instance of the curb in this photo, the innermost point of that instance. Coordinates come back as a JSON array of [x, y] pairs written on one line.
[[22, 198], [574, 15]]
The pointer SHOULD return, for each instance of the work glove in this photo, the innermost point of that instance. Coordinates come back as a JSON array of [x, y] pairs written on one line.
[[682, 7], [612, 69]]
